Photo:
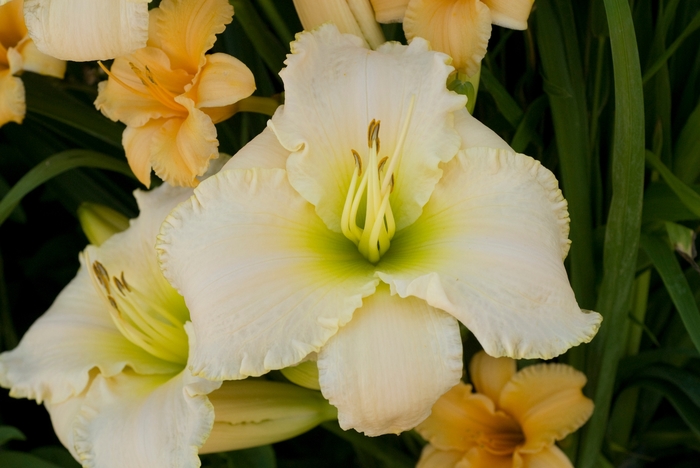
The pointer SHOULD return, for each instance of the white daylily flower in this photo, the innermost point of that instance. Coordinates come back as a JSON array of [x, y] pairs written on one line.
[[109, 361], [327, 246], [83, 30]]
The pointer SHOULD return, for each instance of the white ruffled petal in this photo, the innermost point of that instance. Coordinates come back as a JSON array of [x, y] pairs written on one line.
[[387, 367], [265, 281], [144, 421], [82, 30], [263, 151], [334, 88], [488, 249]]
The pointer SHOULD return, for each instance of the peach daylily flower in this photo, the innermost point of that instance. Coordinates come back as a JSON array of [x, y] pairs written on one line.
[[18, 53], [170, 94], [512, 421], [460, 28]]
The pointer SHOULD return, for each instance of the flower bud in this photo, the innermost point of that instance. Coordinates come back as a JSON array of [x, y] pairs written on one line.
[[350, 16], [100, 222], [256, 412], [304, 374]]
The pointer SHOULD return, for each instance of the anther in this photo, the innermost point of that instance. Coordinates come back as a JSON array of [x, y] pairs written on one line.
[[112, 302], [381, 163], [358, 162], [120, 286]]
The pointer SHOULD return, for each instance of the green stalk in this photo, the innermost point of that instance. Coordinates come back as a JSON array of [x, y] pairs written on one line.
[[623, 228]]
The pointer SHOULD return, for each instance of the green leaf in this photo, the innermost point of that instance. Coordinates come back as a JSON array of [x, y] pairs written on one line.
[[8, 433], [656, 66], [10, 459], [57, 455], [379, 447], [633, 364], [527, 129], [265, 42], [623, 226], [45, 99], [686, 161], [504, 101], [665, 262], [256, 457], [662, 204], [686, 408], [559, 51], [53, 166], [686, 194]]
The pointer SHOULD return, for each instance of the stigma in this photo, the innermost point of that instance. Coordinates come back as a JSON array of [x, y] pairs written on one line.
[[143, 320], [372, 229]]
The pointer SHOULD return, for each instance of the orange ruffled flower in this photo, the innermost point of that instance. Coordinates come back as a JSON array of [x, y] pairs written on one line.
[[512, 421], [170, 94], [460, 28], [18, 53]]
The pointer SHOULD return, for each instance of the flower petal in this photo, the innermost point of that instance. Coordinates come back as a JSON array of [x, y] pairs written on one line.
[[35, 61], [188, 28], [76, 334], [354, 17], [387, 367], [474, 134], [548, 457], [222, 81], [182, 149], [461, 420], [488, 249], [511, 14], [82, 30], [265, 281], [63, 418], [263, 151], [547, 401], [460, 29], [12, 28], [431, 457], [338, 87], [12, 104], [144, 421], [137, 143], [490, 374], [481, 458], [389, 11], [124, 97]]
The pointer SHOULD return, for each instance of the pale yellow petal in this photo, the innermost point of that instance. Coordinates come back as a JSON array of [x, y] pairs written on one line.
[[459, 28], [265, 281], [125, 98], [474, 133], [222, 81], [137, 143], [490, 374], [187, 29], [82, 30], [432, 457], [481, 458], [547, 401], [12, 28], [334, 89], [511, 14], [389, 11], [182, 149], [35, 61], [350, 16], [386, 368], [63, 418], [263, 151], [488, 249], [12, 104], [461, 420], [548, 457]]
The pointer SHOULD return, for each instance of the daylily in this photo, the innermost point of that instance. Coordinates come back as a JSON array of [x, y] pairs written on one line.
[[511, 422], [170, 94], [82, 30], [17, 54], [109, 360], [460, 28], [350, 16], [316, 238]]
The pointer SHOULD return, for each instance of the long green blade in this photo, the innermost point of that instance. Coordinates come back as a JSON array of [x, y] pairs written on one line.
[[623, 226], [54, 166]]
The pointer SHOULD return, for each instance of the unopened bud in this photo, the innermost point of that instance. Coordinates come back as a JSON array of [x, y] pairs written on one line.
[[253, 412], [350, 16], [304, 374], [99, 222]]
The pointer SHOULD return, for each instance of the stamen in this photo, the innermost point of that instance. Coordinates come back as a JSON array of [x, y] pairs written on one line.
[[159, 92], [140, 318]]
